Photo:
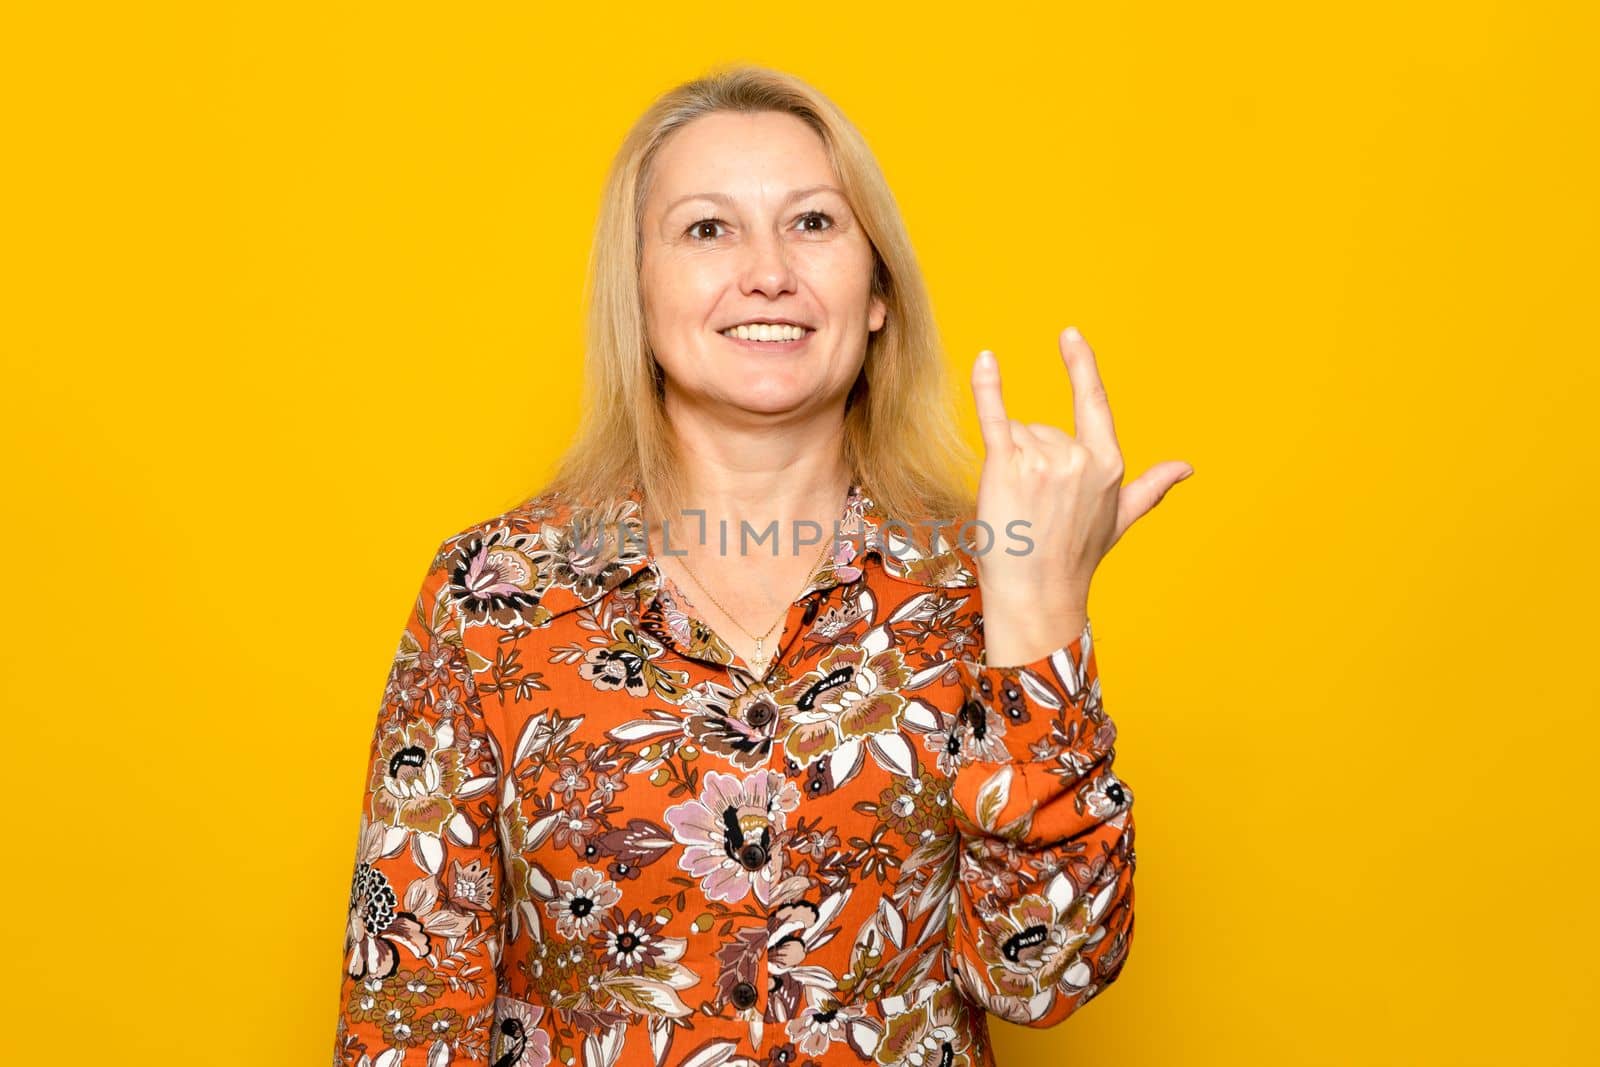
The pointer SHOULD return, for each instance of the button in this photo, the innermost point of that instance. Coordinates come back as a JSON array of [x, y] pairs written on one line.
[[744, 996], [753, 856], [813, 602], [759, 714], [977, 718]]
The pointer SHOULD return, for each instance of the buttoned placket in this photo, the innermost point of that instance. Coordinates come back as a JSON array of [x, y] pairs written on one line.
[[760, 712]]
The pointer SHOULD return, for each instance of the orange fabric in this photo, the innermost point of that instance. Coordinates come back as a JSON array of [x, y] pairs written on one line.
[[591, 836]]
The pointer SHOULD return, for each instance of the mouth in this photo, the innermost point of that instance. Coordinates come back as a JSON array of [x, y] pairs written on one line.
[[769, 337]]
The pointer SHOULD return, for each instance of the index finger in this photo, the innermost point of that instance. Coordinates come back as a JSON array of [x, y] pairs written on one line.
[[993, 422]]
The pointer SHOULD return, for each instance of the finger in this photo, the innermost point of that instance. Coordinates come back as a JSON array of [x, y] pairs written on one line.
[[1145, 492], [993, 423], [1091, 410]]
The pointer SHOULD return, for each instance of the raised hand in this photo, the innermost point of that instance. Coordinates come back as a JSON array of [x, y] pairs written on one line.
[[1068, 489]]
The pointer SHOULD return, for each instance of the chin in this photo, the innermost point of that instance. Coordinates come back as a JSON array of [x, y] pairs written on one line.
[[771, 404]]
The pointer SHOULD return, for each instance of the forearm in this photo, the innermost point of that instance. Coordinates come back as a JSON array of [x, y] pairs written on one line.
[[1043, 915]]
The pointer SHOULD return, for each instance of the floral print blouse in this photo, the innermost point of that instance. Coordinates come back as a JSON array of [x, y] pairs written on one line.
[[591, 836]]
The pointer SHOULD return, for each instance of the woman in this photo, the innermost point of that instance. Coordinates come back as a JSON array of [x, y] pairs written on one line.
[[640, 797]]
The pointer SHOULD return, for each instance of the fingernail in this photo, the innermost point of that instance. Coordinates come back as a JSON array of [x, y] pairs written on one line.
[[985, 357], [1073, 334], [1185, 474]]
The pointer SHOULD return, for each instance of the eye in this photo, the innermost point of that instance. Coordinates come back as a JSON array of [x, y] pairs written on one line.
[[819, 215], [694, 228]]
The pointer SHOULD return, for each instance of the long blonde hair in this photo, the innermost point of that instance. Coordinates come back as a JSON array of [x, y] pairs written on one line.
[[901, 438]]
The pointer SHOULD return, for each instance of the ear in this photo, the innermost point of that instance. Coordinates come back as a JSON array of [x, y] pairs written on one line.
[[877, 315]]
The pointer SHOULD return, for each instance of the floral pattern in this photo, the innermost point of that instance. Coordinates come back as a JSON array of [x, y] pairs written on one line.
[[592, 836]]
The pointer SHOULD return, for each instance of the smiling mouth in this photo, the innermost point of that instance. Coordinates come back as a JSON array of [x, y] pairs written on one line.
[[768, 336]]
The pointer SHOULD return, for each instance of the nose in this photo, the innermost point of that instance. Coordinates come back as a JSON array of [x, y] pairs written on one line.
[[765, 267]]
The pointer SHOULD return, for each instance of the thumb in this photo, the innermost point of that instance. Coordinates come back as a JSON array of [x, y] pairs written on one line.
[[1146, 491]]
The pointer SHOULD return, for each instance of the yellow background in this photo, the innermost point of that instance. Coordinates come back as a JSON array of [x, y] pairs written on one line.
[[295, 293]]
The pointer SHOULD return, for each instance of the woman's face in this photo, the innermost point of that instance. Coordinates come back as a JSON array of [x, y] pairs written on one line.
[[744, 221]]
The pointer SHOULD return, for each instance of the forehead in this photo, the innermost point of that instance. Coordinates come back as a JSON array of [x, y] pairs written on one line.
[[755, 157]]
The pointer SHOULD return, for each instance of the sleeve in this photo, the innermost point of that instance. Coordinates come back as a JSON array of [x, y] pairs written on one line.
[[1042, 917], [423, 942]]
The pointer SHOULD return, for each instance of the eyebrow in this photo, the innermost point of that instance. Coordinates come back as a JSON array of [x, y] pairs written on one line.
[[727, 201]]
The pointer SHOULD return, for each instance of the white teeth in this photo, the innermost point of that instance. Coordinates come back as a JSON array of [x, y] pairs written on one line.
[[761, 331]]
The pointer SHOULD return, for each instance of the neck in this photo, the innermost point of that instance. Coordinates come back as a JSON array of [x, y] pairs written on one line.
[[763, 490]]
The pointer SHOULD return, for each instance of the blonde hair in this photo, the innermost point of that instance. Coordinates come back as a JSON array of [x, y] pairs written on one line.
[[902, 442]]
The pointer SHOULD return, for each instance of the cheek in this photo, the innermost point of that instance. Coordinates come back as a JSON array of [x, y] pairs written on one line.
[[843, 276], [682, 294]]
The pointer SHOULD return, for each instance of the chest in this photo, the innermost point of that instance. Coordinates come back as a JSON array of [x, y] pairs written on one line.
[[641, 783]]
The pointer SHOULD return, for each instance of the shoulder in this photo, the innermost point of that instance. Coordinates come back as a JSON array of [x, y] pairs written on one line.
[[547, 509], [541, 558]]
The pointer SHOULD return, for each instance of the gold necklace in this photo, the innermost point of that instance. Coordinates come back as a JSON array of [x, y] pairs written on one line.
[[759, 664]]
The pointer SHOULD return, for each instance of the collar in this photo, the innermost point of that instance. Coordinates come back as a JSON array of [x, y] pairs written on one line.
[[582, 553]]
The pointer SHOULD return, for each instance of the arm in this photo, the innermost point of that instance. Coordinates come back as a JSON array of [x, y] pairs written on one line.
[[1042, 917], [423, 941]]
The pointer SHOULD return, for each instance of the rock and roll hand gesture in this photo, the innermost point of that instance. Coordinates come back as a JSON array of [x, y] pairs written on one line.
[[1069, 490]]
